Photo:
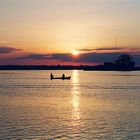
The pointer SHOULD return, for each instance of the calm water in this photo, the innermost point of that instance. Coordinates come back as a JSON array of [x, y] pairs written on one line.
[[92, 105]]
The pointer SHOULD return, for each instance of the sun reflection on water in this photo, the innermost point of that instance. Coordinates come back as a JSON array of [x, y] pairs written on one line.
[[75, 101]]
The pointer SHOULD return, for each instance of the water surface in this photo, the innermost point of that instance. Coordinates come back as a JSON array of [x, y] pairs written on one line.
[[92, 105]]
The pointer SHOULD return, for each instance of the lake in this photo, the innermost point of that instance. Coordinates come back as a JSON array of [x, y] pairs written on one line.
[[92, 105]]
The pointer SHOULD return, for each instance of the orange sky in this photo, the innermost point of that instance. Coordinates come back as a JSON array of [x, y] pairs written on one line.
[[61, 26]]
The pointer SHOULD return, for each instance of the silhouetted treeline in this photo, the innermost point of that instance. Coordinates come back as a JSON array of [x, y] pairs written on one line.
[[107, 66], [41, 67], [124, 63]]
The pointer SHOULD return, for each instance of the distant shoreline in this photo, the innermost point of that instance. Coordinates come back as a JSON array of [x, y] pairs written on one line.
[[61, 67]]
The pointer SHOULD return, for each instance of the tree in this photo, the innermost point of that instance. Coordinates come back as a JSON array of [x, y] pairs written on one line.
[[125, 62]]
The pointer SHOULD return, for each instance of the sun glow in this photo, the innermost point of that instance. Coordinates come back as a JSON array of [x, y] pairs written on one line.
[[75, 52]]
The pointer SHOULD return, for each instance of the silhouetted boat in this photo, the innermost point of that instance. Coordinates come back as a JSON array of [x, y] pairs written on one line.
[[65, 78]]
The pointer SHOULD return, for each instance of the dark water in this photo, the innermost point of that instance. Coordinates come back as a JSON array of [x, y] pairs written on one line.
[[92, 105]]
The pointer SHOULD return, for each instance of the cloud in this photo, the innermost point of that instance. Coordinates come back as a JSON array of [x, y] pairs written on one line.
[[103, 49], [62, 56], [110, 49], [92, 57], [97, 57], [5, 49], [86, 50], [67, 58], [84, 57], [36, 56]]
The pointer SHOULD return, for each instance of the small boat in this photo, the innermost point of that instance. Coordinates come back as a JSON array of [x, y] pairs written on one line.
[[65, 78]]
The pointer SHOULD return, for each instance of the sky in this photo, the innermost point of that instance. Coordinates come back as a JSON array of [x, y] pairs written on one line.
[[47, 31]]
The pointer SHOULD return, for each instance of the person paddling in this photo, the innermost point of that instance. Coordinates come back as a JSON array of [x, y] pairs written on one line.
[[63, 76], [51, 76]]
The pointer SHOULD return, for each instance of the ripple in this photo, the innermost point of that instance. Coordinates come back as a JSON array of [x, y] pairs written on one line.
[[131, 87]]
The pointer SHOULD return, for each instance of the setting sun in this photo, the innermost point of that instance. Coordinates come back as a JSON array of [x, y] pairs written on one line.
[[75, 52]]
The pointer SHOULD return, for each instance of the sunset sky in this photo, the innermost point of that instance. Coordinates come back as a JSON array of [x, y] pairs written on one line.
[[48, 31]]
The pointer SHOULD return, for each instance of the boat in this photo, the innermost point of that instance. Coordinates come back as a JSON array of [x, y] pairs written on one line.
[[64, 78]]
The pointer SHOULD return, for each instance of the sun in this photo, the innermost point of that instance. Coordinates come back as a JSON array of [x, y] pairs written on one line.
[[75, 52]]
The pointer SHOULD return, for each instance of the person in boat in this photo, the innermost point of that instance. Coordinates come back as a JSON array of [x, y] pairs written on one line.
[[63, 76], [51, 76]]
